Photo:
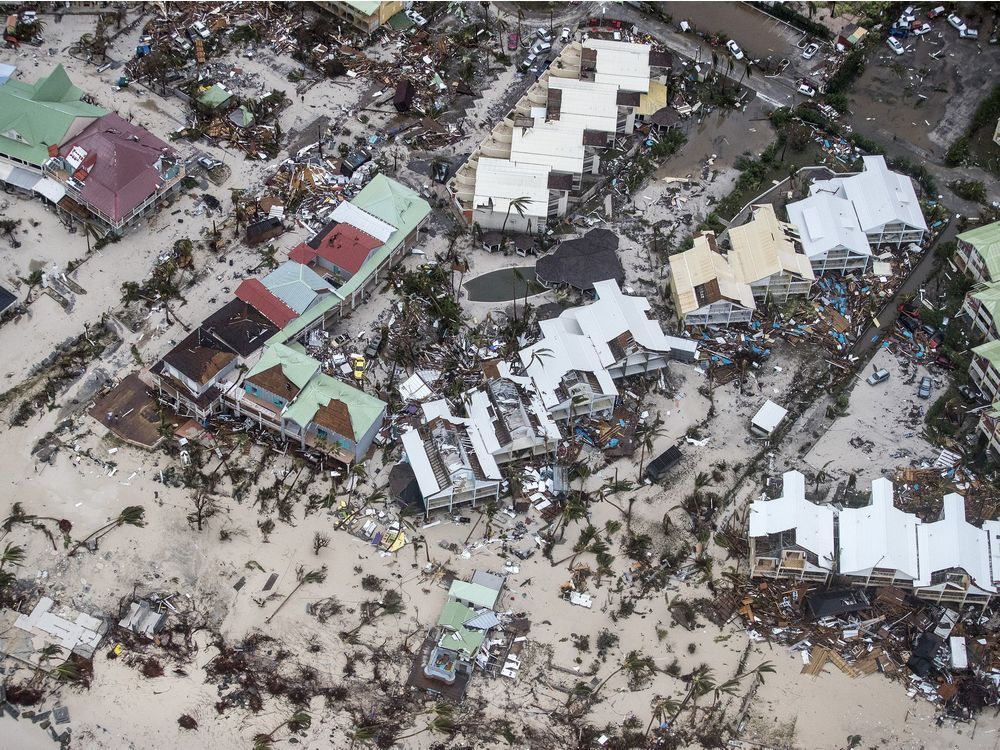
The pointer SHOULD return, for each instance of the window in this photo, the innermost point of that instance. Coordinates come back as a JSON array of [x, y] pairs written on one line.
[[321, 433]]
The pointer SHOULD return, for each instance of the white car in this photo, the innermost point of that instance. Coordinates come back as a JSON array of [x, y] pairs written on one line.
[[956, 21], [566, 32], [811, 49], [200, 29], [969, 33], [920, 28], [895, 45], [807, 90], [734, 49]]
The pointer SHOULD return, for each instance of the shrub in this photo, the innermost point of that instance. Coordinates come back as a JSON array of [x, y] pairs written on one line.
[[958, 153], [970, 190], [848, 72]]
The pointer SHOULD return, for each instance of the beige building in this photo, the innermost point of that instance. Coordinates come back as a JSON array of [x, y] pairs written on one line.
[[766, 254], [705, 289], [364, 16]]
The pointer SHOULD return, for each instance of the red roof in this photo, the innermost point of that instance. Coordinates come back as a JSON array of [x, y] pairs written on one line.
[[255, 294], [345, 246], [120, 164]]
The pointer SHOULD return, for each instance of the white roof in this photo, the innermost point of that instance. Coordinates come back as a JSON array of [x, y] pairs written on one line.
[[523, 432], [613, 314], [440, 409], [880, 196], [416, 454], [587, 104], [348, 213], [561, 351], [813, 523], [879, 536], [952, 542], [621, 63], [769, 416], [499, 181], [827, 222], [552, 144]]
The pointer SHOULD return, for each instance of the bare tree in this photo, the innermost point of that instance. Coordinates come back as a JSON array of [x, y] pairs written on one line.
[[203, 508], [320, 541]]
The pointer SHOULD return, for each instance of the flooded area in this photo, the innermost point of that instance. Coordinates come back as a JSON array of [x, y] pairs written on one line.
[[724, 134], [925, 96], [758, 34]]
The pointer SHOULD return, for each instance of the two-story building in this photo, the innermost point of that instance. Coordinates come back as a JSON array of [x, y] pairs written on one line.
[[791, 537], [767, 254], [985, 369], [365, 16], [705, 289], [452, 464], [982, 305], [977, 252], [829, 232]]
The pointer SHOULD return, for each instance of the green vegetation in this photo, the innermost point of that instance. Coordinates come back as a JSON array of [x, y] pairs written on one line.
[[848, 72], [958, 153], [976, 146], [970, 190]]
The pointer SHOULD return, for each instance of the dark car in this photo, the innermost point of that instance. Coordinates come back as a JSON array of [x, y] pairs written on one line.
[[924, 390], [971, 393]]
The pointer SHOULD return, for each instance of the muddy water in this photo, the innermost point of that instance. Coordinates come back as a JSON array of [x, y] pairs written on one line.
[[756, 33], [726, 134]]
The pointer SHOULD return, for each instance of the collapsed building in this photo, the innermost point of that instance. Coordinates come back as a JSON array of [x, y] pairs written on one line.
[[948, 560]]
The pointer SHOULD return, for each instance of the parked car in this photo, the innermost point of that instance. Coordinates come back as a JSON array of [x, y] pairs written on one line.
[[373, 346], [924, 390], [956, 22], [734, 49], [935, 12], [200, 29], [529, 60], [540, 46], [544, 34], [566, 34], [418, 19], [512, 41], [969, 33], [807, 90], [879, 376], [811, 49], [208, 163], [908, 322], [920, 28], [895, 45]]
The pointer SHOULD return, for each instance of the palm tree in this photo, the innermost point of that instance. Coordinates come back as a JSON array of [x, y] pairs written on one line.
[[647, 435], [304, 577], [638, 666], [519, 205], [296, 723], [133, 515], [12, 555], [746, 73], [573, 510], [661, 708], [442, 721], [701, 682]]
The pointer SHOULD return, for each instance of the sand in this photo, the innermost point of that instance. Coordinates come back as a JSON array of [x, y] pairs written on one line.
[[123, 709]]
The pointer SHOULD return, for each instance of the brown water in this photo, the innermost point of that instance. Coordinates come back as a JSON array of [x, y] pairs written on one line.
[[756, 33]]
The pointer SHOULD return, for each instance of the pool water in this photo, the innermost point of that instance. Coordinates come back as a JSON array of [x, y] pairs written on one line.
[[503, 285]]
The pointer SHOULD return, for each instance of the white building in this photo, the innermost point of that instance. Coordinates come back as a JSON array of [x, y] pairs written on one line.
[[884, 201], [791, 537], [510, 417], [450, 461], [564, 120], [498, 182], [959, 563], [830, 234], [705, 289], [584, 350], [878, 543]]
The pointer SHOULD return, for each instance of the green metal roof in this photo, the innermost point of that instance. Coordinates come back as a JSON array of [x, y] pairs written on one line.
[[214, 96], [476, 593], [989, 298], [368, 7], [401, 22], [989, 351], [394, 204], [297, 366], [459, 638], [34, 116], [986, 240], [323, 389]]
